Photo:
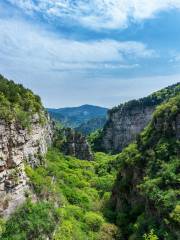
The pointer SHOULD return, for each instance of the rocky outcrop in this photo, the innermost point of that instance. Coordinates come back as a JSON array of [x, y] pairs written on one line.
[[124, 125], [17, 147], [76, 145], [127, 120]]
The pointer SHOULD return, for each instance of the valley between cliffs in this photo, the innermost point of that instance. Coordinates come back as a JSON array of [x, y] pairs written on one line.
[[119, 183]]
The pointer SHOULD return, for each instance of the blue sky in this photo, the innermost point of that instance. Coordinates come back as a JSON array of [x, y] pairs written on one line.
[[100, 52]]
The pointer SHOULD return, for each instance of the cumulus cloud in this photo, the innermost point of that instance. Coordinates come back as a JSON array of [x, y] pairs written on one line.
[[99, 14], [26, 46]]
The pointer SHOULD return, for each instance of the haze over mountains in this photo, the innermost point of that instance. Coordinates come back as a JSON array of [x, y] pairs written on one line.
[[79, 117]]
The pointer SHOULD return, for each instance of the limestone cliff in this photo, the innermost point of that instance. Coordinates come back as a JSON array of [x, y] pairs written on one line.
[[17, 147], [124, 125], [127, 120], [75, 144]]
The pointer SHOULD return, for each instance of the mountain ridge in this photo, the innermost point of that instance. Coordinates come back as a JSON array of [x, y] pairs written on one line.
[[127, 120], [75, 116]]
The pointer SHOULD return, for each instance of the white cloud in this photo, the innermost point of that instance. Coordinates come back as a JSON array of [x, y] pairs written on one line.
[[23, 45], [99, 14]]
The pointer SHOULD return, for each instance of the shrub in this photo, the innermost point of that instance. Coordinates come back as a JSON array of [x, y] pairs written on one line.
[[108, 232], [175, 215], [150, 236], [94, 221]]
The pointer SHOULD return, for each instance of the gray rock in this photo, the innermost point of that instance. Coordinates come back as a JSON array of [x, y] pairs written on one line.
[[18, 146], [76, 145], [124, 125]]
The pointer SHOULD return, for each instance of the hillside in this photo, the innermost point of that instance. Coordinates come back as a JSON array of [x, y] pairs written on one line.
[[145, 198], [127, 120], [75, 116]]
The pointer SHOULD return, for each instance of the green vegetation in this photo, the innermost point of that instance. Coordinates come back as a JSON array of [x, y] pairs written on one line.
[[31, 221], [132, 195], [18, 103], [78, 189], [95, 139], [146, 194], [150, 236]]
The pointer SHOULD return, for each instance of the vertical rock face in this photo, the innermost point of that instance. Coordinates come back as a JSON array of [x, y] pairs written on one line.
[[127, 120], [124, 125], [17, 146], [76, 145]]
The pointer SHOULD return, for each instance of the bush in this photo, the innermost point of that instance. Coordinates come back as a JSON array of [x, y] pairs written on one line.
[[94, 221], [175, 215], [109, 232], [150, 236]]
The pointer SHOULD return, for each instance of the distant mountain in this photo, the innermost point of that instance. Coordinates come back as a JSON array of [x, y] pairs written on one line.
[[75, 116]]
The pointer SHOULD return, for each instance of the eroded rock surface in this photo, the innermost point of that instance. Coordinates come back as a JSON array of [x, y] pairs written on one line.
[[76, 145], [18, 146], [127, 120], [124, 125]]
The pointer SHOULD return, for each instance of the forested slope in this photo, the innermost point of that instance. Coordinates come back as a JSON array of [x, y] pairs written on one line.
[[146, 195]]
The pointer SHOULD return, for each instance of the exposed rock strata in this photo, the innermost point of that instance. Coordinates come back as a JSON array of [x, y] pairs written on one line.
[[124, 125], [127, 120], [76, 145], [18, 146]]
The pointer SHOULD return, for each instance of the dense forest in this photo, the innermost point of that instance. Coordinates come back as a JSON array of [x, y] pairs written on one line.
[[71, 197]]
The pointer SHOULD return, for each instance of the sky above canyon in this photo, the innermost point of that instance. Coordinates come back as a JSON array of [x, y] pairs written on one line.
[[100, 52]]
